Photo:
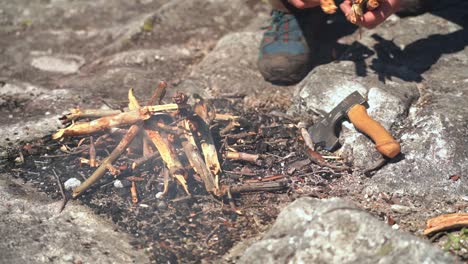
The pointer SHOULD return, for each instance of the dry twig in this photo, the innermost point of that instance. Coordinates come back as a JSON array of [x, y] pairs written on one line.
[[64, 197]]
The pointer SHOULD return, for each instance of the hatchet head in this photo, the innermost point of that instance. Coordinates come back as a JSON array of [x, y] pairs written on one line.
[[324, 133]]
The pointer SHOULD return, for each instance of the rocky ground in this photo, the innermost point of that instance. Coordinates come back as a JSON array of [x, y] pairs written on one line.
[[55, 55]]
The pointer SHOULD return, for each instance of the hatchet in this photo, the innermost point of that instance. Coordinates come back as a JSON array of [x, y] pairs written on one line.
[[324, 132]]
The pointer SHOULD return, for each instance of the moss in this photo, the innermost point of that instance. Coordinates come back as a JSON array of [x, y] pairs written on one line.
[[26, 22], [455, 241], [385, 249], [148, 25]]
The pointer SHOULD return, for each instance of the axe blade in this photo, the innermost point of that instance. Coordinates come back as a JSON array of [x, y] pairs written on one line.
[[324, 132]]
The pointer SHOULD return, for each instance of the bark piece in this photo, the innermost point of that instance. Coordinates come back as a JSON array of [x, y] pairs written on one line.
[[446, 222]]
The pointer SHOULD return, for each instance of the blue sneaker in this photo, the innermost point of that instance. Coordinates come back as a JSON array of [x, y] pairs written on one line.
[[285, 54]]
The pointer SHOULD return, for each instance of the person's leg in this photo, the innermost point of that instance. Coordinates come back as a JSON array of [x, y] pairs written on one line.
[[278, 5], [286, 51]]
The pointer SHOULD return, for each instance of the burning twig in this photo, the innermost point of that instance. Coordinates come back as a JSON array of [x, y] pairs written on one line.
[[99, 172], [242, 135], [138, 162], [133, 191], [313, 155], [260, 186], [78, 113], [305, 135], [206, 140], [241, 156], [64, 197], [225, 117], [113, 170], [170, 158], [231, 202], [158, 94], [266, 179], [126, 118], [150, 181], [196, 161], [92, 153], [133, 188], [232, 124]]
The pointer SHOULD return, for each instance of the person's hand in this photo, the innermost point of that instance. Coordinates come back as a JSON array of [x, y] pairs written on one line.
[[301, 4], [373, 18]]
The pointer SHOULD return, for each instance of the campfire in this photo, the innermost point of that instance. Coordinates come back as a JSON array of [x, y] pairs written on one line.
[[178, 133]]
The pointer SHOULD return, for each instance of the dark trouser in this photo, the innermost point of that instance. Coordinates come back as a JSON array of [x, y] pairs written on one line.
[[279, 5]]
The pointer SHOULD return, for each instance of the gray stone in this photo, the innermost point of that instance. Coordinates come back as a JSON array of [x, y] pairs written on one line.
[[71, 183], [118, 184], [37, 233], [65, 64], [397, 208], [335, 231]]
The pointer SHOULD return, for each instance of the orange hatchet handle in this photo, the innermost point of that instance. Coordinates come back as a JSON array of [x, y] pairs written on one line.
[[384, 142]]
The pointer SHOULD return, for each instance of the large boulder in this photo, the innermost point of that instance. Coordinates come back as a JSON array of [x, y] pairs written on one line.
[[335, 231], [414, 78]]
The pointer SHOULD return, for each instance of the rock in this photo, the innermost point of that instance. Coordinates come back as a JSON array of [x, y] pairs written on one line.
[[68, 258], [65, 64], [433, 136], [33, 232], [335, 231], [161, 205], [143, 57], [29, 130], [33, 102], [401, 209], [71, 183], [118, 184], [415, 90]]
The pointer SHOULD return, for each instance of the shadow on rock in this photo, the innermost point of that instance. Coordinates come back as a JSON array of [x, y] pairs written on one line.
[[419, 55], [408, 63]]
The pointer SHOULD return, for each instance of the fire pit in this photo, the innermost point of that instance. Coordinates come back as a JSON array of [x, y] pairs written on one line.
[[185, 180]]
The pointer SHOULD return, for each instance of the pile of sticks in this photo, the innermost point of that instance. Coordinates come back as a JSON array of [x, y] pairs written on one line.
[[166, 131]]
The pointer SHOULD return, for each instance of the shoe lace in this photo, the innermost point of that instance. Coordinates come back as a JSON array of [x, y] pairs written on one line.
[[276, 28]]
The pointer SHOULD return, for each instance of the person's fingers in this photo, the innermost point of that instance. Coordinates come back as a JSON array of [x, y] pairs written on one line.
[[304, 3], [346, 6], [297, 3], [373, 18]]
